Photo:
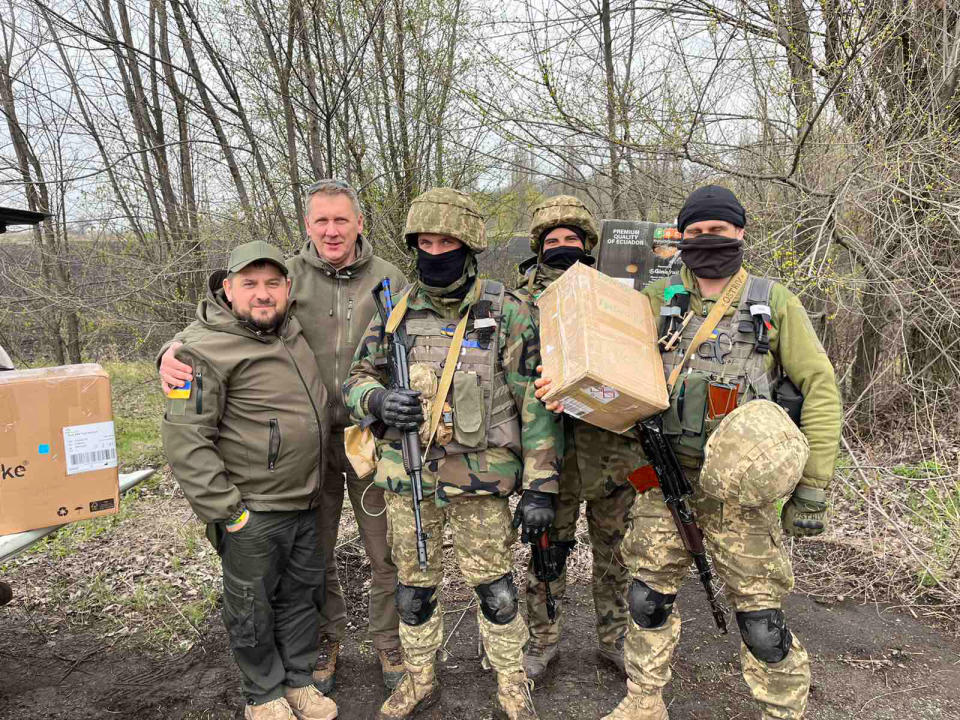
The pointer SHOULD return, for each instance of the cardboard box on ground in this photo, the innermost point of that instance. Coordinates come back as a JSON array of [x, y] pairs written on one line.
[[58, 452], [598, 343]]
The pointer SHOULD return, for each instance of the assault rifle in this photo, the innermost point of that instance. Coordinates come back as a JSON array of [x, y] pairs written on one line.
[[400, 377], [544, 562], [675, 487]]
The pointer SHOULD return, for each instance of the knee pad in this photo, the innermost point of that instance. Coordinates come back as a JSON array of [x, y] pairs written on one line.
[[649, 608], [498, 600], [415, 605], [765, 634]]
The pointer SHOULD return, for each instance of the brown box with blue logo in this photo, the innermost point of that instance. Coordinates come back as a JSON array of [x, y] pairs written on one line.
[[58, 449]]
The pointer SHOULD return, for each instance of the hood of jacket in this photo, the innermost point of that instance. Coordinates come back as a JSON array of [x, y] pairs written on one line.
[[216, 313]]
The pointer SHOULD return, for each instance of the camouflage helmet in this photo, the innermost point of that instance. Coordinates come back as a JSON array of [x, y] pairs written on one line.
[[755, 456], [563, 210], [446, 211]]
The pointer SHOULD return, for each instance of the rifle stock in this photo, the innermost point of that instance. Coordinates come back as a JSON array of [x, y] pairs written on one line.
[[675, 487], [410, 442]]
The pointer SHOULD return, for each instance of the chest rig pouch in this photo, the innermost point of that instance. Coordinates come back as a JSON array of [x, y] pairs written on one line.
[[479, 410], [737, 365]]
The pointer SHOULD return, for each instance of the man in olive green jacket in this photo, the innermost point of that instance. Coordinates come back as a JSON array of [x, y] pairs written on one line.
[[332, 278], [245, 440]]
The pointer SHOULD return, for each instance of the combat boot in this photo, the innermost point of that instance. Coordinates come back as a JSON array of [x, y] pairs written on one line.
[[639, 705], [391, 664], [613, 654], [417, 690], [308, 703], [323, 676], [538, 657], [278, 709], [513, 694]]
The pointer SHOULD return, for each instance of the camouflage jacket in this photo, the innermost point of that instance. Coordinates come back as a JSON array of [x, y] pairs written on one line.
[[596, 462], [795, 346], [496, 470]]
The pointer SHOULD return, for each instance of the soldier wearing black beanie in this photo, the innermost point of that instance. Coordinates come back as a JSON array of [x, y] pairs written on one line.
[[712, 252]]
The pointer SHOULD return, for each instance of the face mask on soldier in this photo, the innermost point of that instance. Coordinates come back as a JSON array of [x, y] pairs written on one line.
[[563, 257], [712, 256], [441, 270]]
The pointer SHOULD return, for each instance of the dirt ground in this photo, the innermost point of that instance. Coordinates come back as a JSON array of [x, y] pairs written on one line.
[[868, 662]]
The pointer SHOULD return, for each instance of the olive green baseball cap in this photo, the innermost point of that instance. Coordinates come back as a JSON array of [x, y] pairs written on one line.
[[251, 252]]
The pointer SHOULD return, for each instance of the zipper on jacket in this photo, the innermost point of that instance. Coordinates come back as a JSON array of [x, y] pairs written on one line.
[[349, 315], [199, 401], [274, 447], [316, 411], [336, 351]]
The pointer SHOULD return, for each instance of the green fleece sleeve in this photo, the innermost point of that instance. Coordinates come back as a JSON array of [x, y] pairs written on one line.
[[654, 293], [805, 362], [189, 430], [541, 431], [364, 374]]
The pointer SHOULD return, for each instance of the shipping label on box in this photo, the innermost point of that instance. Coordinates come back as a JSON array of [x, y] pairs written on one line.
[[58, 450], [598, 343]]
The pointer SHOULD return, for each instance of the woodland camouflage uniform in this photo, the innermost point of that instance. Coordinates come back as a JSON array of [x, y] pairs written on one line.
[[596, 467], [468, 475]]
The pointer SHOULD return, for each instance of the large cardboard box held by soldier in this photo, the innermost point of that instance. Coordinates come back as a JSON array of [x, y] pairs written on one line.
[[598, 341], [58, 452]]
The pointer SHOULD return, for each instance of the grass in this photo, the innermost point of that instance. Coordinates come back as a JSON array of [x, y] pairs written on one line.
[[137, 408]]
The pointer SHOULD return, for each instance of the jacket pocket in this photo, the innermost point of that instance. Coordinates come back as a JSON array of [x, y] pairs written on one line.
[[273, 448], [239, 613]]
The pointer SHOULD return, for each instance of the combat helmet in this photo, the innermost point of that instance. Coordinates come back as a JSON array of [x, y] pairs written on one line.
[[446, 211], [755, 456], [563, 210]]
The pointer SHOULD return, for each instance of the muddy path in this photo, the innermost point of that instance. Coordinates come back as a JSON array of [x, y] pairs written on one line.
[[868, 663]]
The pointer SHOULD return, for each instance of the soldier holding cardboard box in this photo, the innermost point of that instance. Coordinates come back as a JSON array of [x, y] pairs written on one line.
[[596, 464], [246, 440], [731, 342]]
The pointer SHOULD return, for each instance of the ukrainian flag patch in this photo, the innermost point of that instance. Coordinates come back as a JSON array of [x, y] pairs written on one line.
[[181, 393]]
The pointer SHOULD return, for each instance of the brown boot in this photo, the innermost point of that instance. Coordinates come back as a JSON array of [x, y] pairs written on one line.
[[639, 704], [308, 703], [278, 709], [323, 676], [538, 657], [513, 694], [417, 690], [391, 663], [613, 654]]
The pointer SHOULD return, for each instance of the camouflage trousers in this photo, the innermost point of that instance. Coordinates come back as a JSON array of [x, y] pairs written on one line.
[[745, 547], [596, 464], [482, 542]]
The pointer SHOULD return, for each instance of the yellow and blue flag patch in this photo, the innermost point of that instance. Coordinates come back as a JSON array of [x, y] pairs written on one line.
[[181, 393]]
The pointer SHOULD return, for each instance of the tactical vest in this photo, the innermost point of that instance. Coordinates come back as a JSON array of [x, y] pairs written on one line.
[[484, 413], [687, 422]]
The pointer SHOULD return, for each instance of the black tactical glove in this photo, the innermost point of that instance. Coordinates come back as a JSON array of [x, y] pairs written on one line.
[[396, 408], [804, 512], [535, 512]]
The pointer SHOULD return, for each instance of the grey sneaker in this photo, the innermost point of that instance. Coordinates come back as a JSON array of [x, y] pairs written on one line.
[[538, 657]]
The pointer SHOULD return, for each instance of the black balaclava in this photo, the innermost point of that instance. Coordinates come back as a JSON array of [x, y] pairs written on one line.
[[712, 256], [443, 270], [564, 257]]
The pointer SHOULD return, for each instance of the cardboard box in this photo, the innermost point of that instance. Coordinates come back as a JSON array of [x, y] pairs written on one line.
[[598, 341], [58, 452]]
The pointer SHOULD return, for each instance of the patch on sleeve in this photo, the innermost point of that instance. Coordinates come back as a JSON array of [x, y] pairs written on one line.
[[181, 393]]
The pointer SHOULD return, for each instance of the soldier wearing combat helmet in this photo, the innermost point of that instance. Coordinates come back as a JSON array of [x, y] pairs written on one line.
[[741, 452], [494, 438], [596, 463]]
